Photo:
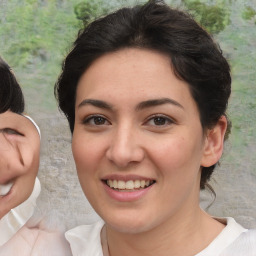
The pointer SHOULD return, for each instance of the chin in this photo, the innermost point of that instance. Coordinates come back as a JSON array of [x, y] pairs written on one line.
[[129, 223]]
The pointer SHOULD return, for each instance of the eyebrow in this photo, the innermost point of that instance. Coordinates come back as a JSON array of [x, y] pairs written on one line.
[[140, 106], [96, 103], [157, 102]]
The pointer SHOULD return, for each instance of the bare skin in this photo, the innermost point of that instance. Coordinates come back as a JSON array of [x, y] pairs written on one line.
[[19, 162], [35, 240], [19, 159]]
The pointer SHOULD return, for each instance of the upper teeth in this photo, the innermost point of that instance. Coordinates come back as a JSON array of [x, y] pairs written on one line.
[[4, 189], [130, 184]]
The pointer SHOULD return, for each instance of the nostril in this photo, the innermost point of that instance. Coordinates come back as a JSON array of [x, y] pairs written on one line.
[[124, 156]]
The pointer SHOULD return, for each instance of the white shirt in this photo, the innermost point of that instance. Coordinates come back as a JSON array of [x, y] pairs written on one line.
[[234, 240], [18, 216]]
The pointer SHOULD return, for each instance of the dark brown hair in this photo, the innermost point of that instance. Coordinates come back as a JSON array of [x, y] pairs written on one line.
[[11, 97], [194, 56]]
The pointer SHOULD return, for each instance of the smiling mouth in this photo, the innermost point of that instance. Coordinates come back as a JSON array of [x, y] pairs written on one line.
[[130, 185], [5, 189]]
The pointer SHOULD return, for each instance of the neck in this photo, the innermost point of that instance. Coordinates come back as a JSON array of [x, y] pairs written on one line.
[[179, 236]]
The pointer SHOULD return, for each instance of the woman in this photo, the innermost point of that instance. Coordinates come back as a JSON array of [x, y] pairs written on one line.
[[19, 187], [145, 91]]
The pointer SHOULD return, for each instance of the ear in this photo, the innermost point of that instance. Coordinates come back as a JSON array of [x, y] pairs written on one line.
[[213, 144]]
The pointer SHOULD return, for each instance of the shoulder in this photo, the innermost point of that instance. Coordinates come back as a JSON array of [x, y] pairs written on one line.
[[245, 244], [86, 238], [226, 242]]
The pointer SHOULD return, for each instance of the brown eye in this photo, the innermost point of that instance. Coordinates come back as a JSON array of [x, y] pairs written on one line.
[[99, 120], [159, 120], [96, 120]]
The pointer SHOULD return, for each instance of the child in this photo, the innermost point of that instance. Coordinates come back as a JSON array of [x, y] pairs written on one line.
[[19, 157], [19, 187]]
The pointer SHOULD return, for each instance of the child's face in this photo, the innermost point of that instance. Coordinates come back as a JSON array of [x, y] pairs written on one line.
[[19, 159], [138, 142]]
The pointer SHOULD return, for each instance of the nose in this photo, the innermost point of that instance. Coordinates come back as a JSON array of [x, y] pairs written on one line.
[[124, 147]]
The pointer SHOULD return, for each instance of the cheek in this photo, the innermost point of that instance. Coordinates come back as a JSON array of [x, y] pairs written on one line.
[[86, 152], [84, 161], [178, 155], [178, 162]]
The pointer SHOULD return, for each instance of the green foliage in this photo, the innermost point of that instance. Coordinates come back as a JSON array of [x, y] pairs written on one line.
[[248, 13], [213, 17], [85, 10], [35, 36], [36, 30], [26, 50], [89, 9]]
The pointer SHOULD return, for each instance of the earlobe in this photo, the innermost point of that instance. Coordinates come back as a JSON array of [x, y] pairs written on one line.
[[214, 142]]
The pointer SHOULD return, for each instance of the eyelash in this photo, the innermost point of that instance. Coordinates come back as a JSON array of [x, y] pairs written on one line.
[[167, 120], [87, 120], [162, 118], [10, 131]]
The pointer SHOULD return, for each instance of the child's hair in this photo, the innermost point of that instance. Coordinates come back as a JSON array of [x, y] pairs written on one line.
[[11, 96]]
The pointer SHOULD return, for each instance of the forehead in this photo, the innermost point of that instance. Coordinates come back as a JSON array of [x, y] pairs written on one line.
[[131, 73]]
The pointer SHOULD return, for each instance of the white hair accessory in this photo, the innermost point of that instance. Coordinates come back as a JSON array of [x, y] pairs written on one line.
[[34, 123]]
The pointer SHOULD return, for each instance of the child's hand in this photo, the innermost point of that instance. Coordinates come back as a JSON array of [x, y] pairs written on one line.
[[19, 159], [36, 240]]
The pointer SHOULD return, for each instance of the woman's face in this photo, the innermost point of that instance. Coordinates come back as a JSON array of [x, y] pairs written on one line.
[[138, 142]]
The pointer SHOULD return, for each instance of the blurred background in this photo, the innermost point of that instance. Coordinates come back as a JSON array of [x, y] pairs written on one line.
[[36, 35]]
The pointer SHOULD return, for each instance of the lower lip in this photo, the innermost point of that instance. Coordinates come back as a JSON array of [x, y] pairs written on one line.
[[123, 196]]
